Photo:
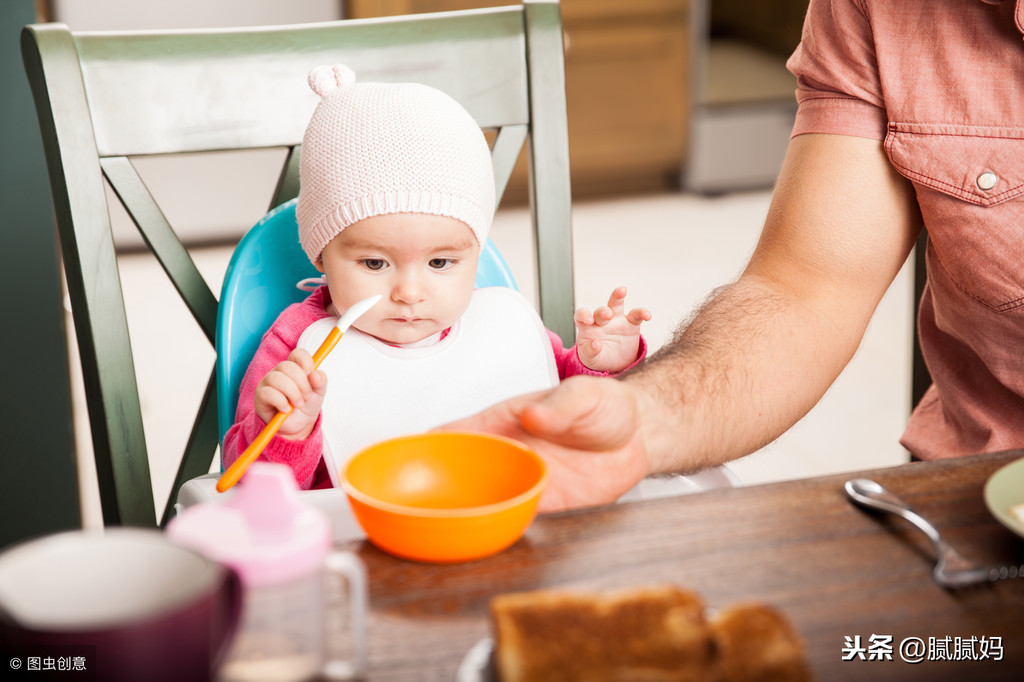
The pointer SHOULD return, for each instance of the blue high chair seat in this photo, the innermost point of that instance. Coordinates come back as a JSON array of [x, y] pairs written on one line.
[[261, 281]]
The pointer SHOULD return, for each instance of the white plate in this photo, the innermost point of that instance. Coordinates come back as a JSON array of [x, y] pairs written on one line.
[[1005, 489], [477, 665]]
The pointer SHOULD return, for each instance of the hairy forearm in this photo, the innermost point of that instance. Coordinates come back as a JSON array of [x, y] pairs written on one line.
[[761, 352], [747, 366]]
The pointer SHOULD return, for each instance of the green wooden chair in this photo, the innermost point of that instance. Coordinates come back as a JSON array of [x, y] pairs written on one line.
[[104, 98]]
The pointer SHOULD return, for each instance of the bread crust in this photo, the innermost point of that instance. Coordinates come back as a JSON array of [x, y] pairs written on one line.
[[644, 634], [756, 642]]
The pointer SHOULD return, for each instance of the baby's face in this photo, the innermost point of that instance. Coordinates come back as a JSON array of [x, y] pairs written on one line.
[[423, 265]]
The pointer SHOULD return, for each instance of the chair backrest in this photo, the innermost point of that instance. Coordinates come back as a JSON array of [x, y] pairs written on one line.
[[103, 98], [261, 281]]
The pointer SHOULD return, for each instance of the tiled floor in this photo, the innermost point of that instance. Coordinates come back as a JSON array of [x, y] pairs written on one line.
[[670, 250]]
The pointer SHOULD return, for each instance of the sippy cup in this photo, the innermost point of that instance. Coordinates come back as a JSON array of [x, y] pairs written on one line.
[[281, 549]]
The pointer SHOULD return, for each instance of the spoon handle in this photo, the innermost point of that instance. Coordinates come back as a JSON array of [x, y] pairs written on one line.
[[871, 495], [234, 472]]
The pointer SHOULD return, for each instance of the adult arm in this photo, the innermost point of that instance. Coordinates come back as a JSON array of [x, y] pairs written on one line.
[[757, 356], [762, 352]]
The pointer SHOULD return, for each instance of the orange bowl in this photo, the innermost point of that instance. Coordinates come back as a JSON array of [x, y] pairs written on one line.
[[445, 497]]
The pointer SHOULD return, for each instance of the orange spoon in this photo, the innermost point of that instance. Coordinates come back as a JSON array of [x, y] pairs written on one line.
[[245, 460]]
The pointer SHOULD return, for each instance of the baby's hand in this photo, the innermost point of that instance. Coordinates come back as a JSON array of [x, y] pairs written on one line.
[[608, 339], [293, 382]]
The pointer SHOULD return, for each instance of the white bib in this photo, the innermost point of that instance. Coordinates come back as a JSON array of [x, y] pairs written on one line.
[[497, 350]]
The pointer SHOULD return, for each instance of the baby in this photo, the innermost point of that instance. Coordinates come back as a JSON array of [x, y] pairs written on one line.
[[397, 198]]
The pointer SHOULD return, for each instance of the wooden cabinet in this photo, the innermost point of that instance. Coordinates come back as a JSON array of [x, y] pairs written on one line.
[[627, 85]]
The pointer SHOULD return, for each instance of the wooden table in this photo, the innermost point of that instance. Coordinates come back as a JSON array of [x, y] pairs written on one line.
[[836, 571]]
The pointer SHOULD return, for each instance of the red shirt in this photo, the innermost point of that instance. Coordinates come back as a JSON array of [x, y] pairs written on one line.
[[942, 82]]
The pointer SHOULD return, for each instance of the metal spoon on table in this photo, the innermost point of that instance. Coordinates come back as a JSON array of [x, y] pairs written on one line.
[[951, 570]]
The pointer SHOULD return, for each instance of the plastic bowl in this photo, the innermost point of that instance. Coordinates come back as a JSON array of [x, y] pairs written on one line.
[[445, 497]]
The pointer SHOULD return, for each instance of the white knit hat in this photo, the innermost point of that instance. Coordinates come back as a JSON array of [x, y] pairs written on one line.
[[377, 148]]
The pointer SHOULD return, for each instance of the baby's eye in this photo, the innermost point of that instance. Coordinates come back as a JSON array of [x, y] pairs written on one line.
[[441, 263], [373, 263]]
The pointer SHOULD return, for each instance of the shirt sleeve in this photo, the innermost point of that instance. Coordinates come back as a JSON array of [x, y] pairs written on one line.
[[302, 456], [839, 90], [568, 362]]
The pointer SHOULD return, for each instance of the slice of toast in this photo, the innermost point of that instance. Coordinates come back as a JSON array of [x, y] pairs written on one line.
[[756, 642], [654, 634], [645, 634]]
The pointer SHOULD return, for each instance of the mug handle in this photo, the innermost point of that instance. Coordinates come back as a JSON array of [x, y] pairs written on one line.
[[348, 565]]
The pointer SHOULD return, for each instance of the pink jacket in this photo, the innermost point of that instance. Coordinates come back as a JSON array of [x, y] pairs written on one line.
[[304, 457]]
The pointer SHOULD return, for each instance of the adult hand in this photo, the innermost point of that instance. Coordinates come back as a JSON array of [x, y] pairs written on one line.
[[587, 429]]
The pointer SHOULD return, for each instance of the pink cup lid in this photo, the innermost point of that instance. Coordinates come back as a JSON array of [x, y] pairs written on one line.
[[265, 532]]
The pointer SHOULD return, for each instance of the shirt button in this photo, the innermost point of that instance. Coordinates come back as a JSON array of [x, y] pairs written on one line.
[[987, 180]]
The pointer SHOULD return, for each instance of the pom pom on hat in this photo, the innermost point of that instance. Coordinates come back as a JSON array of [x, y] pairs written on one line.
[[377, 148]]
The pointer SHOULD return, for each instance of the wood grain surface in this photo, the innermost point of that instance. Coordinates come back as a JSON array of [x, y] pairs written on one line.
[[836, 571]]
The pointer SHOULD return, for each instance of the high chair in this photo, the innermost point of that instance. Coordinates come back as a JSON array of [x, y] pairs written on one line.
[[105, 98]]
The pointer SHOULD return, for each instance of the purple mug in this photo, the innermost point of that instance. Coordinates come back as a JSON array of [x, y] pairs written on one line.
[[119, 604]]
